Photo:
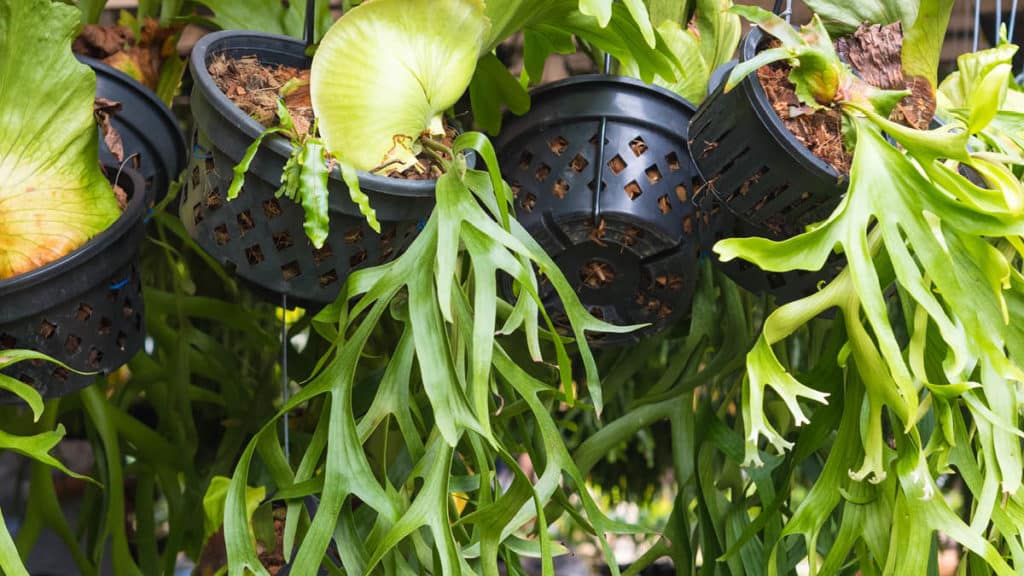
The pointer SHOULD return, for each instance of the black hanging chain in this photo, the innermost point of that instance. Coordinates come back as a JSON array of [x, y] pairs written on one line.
[[310, 25]]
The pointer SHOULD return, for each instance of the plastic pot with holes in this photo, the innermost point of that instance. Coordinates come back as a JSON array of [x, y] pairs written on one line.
[[754, 165], [153, 144], [84, 309], [758, 181], [616, 215], [260, 236], [717, 223]]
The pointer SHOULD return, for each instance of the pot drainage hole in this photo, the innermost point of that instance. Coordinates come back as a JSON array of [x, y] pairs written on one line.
[[597, 274]]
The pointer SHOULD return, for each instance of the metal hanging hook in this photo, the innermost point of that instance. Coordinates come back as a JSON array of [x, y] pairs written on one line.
[[599, 168], [1010, 33], [977, 25], [778, 11], [1013, 20], [999, 19], [285, 392], [599, 165]]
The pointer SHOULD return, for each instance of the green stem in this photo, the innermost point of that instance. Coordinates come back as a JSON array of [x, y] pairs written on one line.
[[10, 561], [149, 557], [91, 10], [439, 152], [96, 407], [44, 509], [596, 447], [674, 10]]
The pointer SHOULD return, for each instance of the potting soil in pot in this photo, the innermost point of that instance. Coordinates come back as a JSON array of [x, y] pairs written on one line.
[[256, 89], [261, 235], [773, 179], [874, 54]]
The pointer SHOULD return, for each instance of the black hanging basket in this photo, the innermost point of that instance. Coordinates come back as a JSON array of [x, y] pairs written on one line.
[[759, 180], [717, 223], [153, 144], [84, 309], [259, 236], [754, 165], [618, 218]]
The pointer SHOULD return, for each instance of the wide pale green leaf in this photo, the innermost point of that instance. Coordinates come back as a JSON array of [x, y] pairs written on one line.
[[509, 16], [691, 79], [388, 69], [492, 87], [213, 504], [719, 30], [38, 447], [53, 195], [845, 17], [622, 34], [602, 10], [538, 45], [957, 90], [273, 16], [922, 42]]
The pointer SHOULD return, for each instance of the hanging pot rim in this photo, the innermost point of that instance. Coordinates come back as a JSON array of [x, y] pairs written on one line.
[[613, 79], [251, 129], [751, 85], [157, 109]]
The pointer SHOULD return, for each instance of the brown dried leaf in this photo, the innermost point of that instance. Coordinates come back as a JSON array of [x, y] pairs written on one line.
[[122, 197], [102, 111], [102, 41]]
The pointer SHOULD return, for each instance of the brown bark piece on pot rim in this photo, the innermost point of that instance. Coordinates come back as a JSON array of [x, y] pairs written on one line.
[[102, 111], [875, 54]]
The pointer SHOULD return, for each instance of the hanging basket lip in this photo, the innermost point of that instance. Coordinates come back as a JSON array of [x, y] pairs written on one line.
[[213, 43], [613, 81], [88, 252], [764, 111], [513, 125], [156, 110], [543, 115]]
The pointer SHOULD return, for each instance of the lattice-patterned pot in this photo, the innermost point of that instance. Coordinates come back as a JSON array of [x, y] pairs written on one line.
[[754, 165], [717, 223], [84, 309], [759, 180], [259, 236], [153, 144], [617, 216]]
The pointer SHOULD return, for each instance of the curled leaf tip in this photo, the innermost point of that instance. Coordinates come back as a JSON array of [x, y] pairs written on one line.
[[351, 177]]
